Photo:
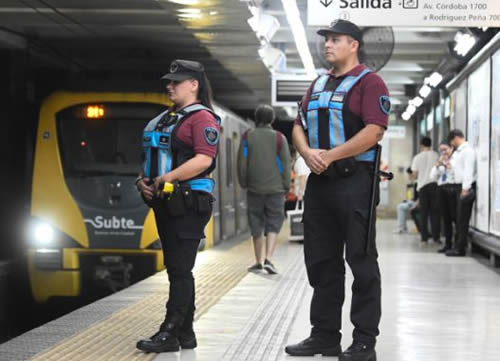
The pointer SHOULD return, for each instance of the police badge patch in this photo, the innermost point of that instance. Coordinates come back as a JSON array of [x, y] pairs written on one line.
[[385, 104], [211, 136]]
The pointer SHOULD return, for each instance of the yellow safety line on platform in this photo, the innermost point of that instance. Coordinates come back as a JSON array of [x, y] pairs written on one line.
[[114, 338]]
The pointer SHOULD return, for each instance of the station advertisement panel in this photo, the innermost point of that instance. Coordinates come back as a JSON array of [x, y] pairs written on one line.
[[495, 148], [478, 135], [458, 117]]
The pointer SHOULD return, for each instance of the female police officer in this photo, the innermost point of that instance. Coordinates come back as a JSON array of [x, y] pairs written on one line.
[[180, 146]]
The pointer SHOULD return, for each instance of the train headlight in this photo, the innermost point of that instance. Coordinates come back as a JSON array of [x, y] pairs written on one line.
[[44, 234]]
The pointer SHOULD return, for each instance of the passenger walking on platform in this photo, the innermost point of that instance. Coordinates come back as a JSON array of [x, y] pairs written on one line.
[[341, 118], [465, 167], [180, 147], [264, 167], [426, 187], [447, 191]]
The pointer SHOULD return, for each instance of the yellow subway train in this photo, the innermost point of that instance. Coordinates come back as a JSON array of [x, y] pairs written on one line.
[[89, 227]]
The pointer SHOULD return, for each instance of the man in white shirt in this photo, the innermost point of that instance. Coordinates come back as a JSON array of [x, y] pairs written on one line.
[[426, 188], [466, 174]]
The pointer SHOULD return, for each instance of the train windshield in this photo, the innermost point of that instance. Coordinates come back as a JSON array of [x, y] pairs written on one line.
[[104, 138]]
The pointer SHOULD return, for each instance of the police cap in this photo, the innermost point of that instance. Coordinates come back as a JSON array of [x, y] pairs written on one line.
[[343, 27], [184, 69]]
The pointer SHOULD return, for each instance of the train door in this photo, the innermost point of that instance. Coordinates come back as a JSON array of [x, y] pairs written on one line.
[[216, 205], [240, 193], [226, 180]]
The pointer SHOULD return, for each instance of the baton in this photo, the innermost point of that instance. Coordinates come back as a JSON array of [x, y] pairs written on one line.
[[377, 173]]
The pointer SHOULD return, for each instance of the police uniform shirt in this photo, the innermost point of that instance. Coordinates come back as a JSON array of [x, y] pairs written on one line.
[[367, 99], [201, 131]]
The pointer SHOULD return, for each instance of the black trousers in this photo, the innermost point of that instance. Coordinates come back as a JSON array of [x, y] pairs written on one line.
[[448, 198], [336, 214], [429, 206], [464, 214], [180, 238]]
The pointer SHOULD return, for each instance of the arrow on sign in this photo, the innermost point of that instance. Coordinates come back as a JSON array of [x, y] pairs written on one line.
[[326, 3]]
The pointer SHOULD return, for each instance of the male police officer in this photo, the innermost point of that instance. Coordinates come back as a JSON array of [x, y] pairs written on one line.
[[342, 117]]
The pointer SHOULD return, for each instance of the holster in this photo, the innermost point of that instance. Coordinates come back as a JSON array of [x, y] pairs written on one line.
[[177, 202]]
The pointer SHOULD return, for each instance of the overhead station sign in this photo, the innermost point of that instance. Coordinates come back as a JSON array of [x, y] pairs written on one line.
[[459, 13]]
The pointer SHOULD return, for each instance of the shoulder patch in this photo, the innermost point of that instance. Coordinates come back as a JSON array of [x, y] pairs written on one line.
[[385, 104], [211, 135]]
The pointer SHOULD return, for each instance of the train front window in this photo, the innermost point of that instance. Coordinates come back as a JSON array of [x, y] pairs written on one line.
[[103, 138]]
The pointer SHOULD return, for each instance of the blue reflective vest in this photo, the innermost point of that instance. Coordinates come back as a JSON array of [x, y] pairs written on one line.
[[157, 140], [334, 101]]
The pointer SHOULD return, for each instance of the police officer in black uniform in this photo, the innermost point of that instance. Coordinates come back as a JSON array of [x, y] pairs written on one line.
[[180, 146], [341, 118]]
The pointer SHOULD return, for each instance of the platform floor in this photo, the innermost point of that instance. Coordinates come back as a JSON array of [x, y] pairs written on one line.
[[434, 308]]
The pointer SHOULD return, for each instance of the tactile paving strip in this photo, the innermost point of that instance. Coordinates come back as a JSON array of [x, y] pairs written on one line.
[[114, 338], [266, 331]]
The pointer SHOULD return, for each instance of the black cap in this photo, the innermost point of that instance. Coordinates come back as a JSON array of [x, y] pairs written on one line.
[[343, 27], [184, 69]]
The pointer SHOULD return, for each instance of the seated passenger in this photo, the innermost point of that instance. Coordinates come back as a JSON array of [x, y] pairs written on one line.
[[406, 206]]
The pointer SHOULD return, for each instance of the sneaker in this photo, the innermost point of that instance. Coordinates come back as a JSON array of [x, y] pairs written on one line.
[[256, 268], [400, 231], [270, 268]]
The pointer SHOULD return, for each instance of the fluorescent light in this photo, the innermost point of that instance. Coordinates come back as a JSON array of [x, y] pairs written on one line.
[[213, 13], [185, 2], [406, 116], [425, 91], [189, 11], [465, 42], [190, 16], [411, 109], [299, 34], [434, 79], [417, 101]]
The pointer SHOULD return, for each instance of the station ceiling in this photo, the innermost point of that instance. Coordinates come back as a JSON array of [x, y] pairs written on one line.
[[143, 36]]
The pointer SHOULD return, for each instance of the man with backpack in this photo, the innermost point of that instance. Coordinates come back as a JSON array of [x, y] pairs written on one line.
[[264, 171]]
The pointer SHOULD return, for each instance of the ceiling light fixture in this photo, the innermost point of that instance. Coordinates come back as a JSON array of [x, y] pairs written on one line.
[[189, 11], [425, 91], [411, 109], [299, 34], [406, 116], [417, 101], [189, 16], [434, 80], [185, 2], [264, 26], [464, 43]]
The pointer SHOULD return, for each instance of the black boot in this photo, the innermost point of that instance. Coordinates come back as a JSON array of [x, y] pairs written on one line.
[[455, 253], [358, 351], [313, 346], [444, 249], [164, 340], [187, 339], [186, 335]]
